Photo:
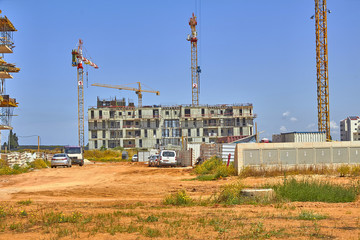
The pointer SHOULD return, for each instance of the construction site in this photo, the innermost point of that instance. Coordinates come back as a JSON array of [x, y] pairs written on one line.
[[153, 169]]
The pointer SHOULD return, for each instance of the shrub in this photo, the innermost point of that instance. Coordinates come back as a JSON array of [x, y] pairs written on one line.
[[181, 198], [343, 170], [213, 168], [6, 170], [39, 163], [355, 171], [230, 194], [314, 191], [208, 166]]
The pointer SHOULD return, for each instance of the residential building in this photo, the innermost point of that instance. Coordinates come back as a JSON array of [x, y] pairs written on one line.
[[349, 129], [112, 124]]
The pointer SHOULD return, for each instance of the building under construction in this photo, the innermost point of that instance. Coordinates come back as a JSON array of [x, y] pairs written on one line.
[[7, 104], [114, 123]]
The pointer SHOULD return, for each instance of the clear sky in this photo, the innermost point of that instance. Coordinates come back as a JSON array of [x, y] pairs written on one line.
[[260, 52]]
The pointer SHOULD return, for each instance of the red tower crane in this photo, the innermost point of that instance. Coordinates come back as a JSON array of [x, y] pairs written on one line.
[[195, 69], [77, 61]]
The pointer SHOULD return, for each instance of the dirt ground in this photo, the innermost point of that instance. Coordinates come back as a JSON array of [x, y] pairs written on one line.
[[125, 201]]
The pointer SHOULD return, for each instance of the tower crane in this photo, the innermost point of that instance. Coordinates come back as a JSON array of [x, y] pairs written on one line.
[[195, 69], [322, 67], [77, 61], [138, 90]]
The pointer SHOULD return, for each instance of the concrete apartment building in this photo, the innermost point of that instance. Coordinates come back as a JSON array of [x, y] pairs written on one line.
[[112, 124], [349, 129]]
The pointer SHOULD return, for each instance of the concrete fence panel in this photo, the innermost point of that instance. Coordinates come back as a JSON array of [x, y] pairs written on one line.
[[354, 155], [296, 154], [340, 155], [270, 157]]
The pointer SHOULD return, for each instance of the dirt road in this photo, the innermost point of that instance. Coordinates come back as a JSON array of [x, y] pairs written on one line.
[[125, 201], [101, 182]]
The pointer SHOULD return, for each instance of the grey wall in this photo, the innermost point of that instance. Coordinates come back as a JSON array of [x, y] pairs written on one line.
[[296, 154]]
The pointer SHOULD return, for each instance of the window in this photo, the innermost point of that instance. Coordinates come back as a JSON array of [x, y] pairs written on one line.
[[154, 132], [148, 123], [167, 113], [145, 133], [129, 113], [189, 132], [92, 114], [198, 132], [104, 134]]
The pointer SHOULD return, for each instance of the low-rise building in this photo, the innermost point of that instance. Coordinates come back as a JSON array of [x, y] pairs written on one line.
[[299, 137], [112, 124]]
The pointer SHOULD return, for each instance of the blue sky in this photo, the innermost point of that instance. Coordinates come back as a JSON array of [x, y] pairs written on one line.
[[260, 52]]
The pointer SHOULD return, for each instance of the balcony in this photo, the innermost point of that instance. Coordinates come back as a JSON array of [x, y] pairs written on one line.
[[213, 134], [129, 145]]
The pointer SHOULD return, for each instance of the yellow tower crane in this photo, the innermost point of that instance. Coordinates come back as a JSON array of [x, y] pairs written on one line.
[[77, 61], [138, 90], [322, 67]]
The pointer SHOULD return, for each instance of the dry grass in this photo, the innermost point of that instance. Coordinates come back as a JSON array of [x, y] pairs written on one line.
[[108, 155], [341, 170], [90, 220]]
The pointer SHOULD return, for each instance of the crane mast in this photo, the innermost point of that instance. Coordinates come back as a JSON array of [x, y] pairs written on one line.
[[195, 69], [322, 67], [77, 61]]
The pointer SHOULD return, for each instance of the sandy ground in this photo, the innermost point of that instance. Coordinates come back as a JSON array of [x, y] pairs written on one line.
[[105, 187]]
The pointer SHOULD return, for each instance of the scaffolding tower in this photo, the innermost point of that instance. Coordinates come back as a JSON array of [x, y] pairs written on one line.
[[7, 104]]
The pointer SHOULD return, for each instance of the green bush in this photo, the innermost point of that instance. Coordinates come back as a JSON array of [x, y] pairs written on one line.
[[230, 194], [39, 163], [315, 191], [213, 168], [355, 171], [181, 198], [343, 170], [209, 166]]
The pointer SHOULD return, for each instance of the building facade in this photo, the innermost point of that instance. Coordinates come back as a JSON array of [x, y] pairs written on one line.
[[349, 129], [112, 124]]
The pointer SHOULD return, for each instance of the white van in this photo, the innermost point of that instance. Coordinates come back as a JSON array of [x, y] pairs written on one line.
[[167, 158]]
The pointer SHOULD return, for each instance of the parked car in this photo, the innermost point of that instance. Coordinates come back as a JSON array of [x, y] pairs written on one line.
[[135, 158], [167, 158], [60, 159], [153, 160]]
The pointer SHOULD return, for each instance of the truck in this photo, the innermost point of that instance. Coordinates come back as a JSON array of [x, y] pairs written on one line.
[[76, 154]]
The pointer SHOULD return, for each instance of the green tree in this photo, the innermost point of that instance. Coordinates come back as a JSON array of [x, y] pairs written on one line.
[[13, 140]]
